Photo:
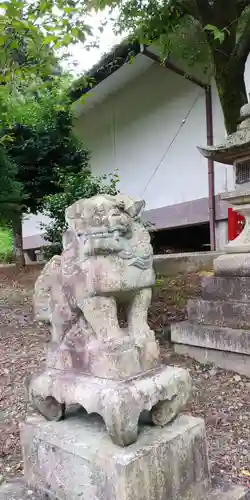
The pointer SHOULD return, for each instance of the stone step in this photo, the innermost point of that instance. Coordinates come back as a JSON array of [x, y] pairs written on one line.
[[226, 288], [230, 361], [236, 492], [18, 491], [211, 337], [229, 313]]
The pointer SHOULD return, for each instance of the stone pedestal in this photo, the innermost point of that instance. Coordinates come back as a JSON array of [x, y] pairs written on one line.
[[162, 392], [76, 460], [218, 326]]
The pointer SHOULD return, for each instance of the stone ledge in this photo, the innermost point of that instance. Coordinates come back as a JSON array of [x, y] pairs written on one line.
[[17, 490], [75, 459], [184, 263], [232, 264], [230, 493], [211, 337], [228, 313], [226, 288], [230, 361]]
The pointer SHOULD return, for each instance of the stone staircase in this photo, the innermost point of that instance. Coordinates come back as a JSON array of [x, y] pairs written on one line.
[[218, 326]]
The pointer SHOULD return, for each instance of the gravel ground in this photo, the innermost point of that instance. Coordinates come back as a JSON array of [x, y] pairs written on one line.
[[221, 398]]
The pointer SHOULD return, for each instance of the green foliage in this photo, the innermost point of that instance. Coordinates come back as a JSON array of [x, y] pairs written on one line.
[[201, 24], [11, 194], [212, 33], [37, 134], [6, 245], [72, 188], [217, 34], [29, 30]]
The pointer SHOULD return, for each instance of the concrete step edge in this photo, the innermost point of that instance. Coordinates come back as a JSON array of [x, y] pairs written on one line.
[[219, 338], [196, 301], [236, 492], [194, 324]]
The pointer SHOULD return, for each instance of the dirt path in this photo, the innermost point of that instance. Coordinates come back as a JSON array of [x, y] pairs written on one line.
[[220, 397]]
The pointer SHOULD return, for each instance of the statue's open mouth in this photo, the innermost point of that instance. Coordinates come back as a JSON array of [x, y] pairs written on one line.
[[114, 232]]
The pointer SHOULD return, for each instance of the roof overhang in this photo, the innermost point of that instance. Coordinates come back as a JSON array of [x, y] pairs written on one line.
[[112, 83], [123, 64]]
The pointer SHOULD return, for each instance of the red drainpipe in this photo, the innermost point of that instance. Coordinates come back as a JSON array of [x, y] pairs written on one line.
[[209, 125]]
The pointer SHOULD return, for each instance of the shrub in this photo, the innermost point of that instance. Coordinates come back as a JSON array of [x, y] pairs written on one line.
[[6, 247], [73, 187]]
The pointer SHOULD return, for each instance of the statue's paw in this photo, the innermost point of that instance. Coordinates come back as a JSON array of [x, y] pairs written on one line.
[[49, 408], [166, 411], [143, 332]]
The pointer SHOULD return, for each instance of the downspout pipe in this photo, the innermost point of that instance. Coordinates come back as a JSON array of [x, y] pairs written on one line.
[[211, 196], [209, 128]]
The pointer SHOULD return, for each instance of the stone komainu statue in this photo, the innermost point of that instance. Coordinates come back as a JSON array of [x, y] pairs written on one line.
[[107, 260]]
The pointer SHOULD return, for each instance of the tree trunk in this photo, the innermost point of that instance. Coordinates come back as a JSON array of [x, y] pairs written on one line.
[[229, 77], [18, 240]]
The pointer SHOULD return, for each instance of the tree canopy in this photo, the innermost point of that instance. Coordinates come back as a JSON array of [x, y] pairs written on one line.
[[38, 138], [215, 32], [38, 141], [72, 188], [31, 32], [11, 194]]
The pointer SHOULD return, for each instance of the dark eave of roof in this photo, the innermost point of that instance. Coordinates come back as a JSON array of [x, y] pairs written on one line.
[[108, 64]]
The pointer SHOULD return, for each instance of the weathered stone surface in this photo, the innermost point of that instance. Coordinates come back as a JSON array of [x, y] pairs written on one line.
[[236, 145], [183, 263], [228, 313], [75, 460], [230, 493], [226, 360], [107, 261], [163, 392], [226, 288], [18, 491], [232, 265], [211, 337]]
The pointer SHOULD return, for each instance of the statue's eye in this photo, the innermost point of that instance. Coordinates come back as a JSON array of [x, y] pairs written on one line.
[[116, 213]]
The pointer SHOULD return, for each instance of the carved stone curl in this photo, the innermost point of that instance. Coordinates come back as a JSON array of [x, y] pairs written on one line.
[[107, 260]]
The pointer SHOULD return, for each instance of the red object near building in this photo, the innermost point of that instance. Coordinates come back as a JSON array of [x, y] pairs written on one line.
[[235, 224]]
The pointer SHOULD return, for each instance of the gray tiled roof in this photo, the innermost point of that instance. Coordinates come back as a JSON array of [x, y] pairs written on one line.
[[34, 241]]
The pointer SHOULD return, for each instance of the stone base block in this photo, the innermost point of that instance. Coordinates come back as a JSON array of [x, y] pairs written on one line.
[[226, 288], [76, 460], [228, 313], [230, 493], [231, 361], [227, 348], [211, 337], [163, 392], [231, 264], [18, 491]]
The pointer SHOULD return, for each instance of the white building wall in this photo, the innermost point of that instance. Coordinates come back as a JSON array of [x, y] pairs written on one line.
[[150, 130], [141, 131]]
